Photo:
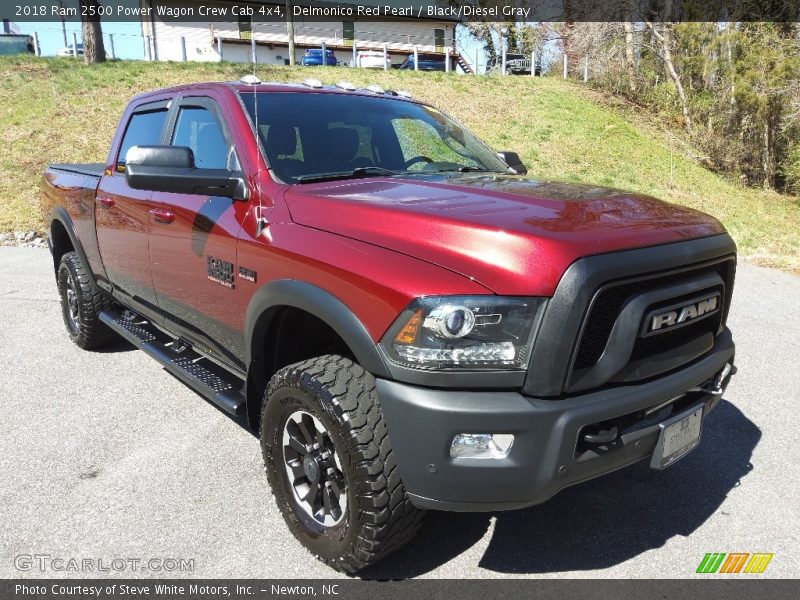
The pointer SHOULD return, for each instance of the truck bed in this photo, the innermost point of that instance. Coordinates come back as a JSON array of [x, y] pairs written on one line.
[[71, 189], [87, 169]]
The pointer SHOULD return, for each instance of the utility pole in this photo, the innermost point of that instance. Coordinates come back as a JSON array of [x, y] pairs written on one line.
[[290, 32]]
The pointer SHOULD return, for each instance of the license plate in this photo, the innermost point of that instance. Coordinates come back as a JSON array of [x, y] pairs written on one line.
[[679, 436]]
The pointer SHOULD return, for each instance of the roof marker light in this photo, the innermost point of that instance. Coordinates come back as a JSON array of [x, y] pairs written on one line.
[[250, 80], [312, 83], [375, 88], [404, 94], [346, 85]]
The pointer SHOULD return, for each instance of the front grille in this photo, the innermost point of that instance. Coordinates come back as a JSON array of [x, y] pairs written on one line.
[[610, 299]]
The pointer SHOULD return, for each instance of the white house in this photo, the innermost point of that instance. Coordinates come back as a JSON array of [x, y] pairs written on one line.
[[167, 38]]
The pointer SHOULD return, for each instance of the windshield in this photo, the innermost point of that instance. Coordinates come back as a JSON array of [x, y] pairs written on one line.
[[309, 136]]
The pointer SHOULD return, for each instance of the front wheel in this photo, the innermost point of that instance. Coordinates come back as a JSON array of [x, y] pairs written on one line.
[[330, 464]]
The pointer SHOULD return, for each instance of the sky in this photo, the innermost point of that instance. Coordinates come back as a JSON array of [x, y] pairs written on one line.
[[127, 37]]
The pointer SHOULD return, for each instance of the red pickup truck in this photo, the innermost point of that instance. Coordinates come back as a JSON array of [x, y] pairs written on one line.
[[407, 320]]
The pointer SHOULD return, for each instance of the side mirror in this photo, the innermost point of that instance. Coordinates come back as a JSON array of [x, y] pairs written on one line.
[[172, 169], [514, 162]]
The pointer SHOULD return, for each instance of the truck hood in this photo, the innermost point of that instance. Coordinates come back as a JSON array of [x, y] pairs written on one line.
[[515, 236]]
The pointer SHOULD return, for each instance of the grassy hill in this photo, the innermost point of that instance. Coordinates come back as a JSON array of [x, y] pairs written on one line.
[[57, 110]]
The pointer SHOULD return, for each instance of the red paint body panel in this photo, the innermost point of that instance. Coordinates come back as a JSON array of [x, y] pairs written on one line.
[[76, 194], [375, 283], [123, 236], [374, 244], [515, 236], [201, 227]]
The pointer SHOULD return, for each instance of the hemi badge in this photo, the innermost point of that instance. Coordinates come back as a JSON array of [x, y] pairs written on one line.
[[247, 274]]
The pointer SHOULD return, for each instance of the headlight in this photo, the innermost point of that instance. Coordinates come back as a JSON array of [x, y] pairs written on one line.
[[464, 333]]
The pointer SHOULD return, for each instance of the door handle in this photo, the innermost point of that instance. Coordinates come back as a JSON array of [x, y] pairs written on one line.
[[162, 215], [105, 201]]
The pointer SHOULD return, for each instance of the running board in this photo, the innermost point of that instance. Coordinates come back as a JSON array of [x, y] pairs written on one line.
[[205, 377]]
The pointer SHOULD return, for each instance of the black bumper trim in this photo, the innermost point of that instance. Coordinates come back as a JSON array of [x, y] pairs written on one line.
[[422, 422]]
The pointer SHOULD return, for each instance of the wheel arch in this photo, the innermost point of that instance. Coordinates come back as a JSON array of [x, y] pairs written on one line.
[[262, 319], [62, 239]]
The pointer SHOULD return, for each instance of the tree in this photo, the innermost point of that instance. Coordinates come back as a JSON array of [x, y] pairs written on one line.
[[93, 49], [290, 33], [630, 50], [532, 37], [484, 29], [766, 60], [662, 32]]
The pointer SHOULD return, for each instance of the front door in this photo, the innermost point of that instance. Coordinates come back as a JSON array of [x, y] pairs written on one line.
[[122, 213], [193, 239]]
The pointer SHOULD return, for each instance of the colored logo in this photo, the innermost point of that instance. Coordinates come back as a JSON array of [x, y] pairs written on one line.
[[734, 562]]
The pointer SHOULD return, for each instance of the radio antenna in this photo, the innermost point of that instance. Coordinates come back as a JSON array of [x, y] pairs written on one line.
[[254, 81], [260, 220]]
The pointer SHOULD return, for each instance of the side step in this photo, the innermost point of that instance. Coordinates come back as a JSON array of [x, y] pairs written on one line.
[[205, 377]]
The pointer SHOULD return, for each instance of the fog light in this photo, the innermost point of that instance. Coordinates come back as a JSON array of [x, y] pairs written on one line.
[[481, 445]]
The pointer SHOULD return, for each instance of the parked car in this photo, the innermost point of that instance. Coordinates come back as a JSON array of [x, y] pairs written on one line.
[[427, 62], [313, 58], [372, 59], [406, 321], [516, 64], [16, 44], [69, 50]]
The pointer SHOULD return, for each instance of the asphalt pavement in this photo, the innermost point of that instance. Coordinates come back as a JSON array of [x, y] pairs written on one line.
[[104, 455]]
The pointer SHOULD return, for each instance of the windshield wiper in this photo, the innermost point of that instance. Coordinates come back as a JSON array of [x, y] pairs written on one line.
[[354, 174], [468, 169]]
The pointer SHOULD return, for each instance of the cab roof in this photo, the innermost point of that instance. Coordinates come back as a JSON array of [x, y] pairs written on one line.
[[274, 86]]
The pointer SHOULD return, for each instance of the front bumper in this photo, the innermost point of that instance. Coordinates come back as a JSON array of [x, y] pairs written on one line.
[[547, 454]]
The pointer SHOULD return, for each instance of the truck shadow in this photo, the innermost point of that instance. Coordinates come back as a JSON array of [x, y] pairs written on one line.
[[118, 345], [597, 524]]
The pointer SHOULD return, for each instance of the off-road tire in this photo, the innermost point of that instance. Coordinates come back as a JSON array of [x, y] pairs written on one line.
[[87, 330], [379, 517]]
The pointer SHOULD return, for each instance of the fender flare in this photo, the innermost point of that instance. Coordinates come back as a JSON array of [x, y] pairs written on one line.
[[60, 214], [318, 302]]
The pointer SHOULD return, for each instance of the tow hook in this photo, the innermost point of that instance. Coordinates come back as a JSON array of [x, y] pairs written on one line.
[[604, 436], [714, 386]]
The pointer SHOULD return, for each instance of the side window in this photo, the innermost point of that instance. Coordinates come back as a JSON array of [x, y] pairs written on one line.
[[144, 129], [197, 128]]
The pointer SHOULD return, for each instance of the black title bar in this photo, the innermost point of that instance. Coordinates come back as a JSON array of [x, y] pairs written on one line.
[[463, 11], [354, 589]]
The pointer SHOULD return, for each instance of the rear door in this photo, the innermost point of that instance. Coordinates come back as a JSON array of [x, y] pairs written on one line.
[[122, 213], [193, 238]]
